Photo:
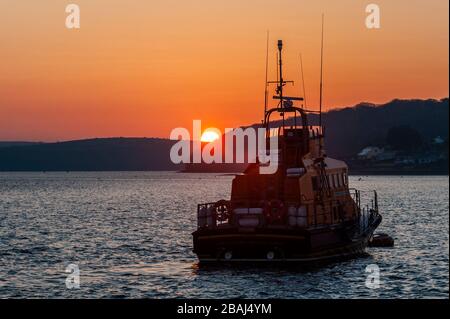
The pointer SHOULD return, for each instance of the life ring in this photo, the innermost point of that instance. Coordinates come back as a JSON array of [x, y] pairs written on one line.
[[274, 210], [223, 210]]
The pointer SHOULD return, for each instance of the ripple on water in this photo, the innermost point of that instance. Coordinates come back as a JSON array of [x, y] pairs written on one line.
[[130, 235]]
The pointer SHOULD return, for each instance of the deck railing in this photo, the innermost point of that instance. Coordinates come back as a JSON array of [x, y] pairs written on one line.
[[368, 212], [225, 214]]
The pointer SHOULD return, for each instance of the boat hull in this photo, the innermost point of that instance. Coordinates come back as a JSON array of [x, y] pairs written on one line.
[[275, 245]]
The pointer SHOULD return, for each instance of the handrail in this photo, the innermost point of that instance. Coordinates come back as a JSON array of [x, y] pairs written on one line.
[[210, 216]]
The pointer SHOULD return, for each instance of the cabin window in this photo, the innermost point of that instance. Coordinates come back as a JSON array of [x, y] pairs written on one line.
[[334, 181], [329, 181]]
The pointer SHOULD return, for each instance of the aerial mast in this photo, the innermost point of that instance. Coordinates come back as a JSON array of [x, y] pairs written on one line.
[[281, 83], [285, 103], [303, 81], [321, 75], [267, 67]]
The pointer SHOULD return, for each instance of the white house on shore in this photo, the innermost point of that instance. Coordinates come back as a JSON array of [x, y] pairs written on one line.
[[370, 152]]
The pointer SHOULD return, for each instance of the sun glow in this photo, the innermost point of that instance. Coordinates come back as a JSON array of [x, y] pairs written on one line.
[[209, 136]]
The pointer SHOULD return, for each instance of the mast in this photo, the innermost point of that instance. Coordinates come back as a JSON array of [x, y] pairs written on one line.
[[285, 103], [303, 81], [278, 72], [280, 64], [321, 75], [267, 67], [281, 83]]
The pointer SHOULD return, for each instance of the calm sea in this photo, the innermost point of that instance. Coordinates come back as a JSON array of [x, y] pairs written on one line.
[[129, 234]]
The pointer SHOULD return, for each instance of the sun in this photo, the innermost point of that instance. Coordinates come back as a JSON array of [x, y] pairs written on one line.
[[209, 136]]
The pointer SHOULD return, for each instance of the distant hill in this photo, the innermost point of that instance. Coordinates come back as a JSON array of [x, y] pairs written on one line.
[[351, 129], [348, 131], [8, 144], [110, 154]]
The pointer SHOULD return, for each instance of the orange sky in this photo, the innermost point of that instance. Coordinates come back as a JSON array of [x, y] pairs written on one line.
[[141, 68]]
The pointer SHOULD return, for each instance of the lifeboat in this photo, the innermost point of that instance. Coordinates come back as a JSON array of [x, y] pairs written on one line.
[[305, 212]]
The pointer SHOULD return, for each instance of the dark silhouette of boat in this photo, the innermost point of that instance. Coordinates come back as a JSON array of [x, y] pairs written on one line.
[[304, 212]]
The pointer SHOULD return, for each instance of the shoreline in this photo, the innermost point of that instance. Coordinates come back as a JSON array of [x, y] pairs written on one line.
[[231, 173]]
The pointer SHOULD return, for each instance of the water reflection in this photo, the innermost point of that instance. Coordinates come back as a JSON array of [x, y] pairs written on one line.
[[130, 234]]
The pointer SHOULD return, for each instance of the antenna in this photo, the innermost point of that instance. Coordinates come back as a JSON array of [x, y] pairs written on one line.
[[278, 76], [280, 64], [321, 75], [281, 83], [303, 80], [267, 67], [285, 102]]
